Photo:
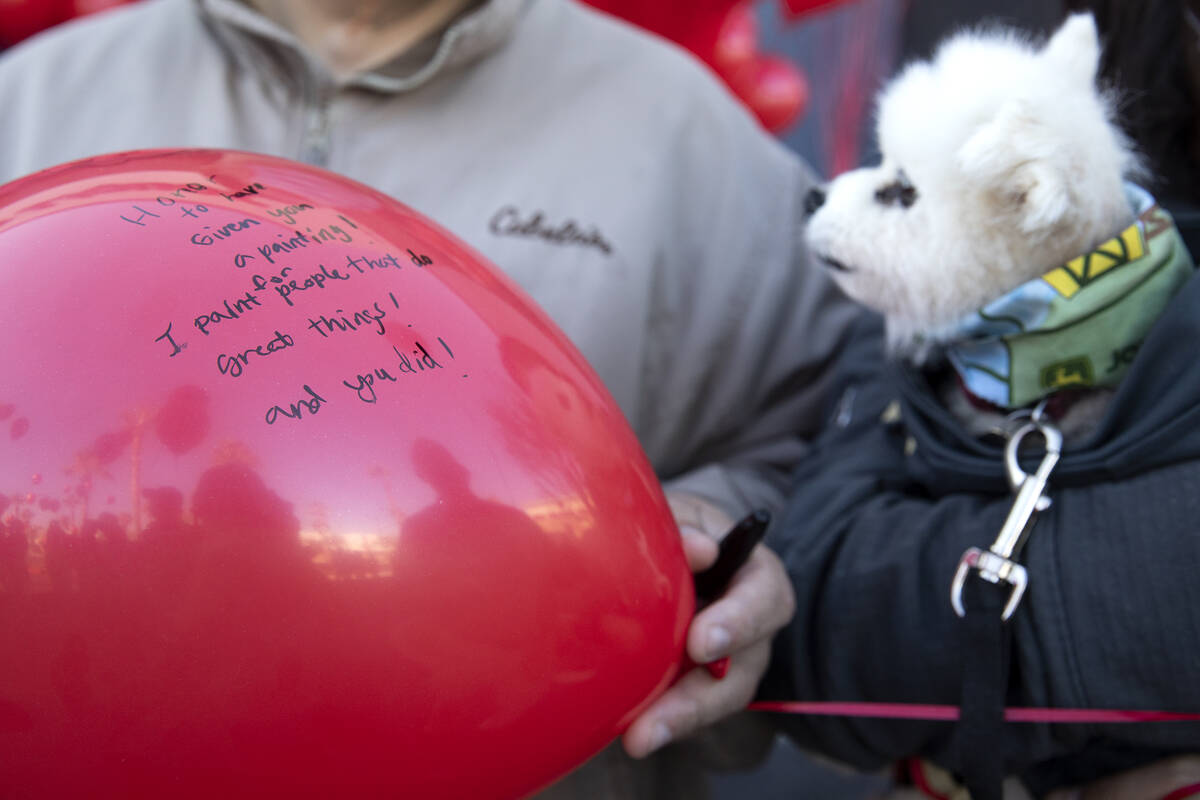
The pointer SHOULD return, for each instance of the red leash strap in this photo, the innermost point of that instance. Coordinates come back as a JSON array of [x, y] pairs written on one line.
[[915, 772], [918, 711], [950, 713], [1191, 790]]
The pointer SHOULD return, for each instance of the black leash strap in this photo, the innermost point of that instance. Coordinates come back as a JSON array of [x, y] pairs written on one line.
[[978, 739], [987, 589]]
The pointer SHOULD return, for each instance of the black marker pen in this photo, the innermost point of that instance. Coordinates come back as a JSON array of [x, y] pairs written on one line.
[[732, 553]]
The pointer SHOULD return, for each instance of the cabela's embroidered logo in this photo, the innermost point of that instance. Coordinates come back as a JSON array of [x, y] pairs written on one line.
[[508, 221]]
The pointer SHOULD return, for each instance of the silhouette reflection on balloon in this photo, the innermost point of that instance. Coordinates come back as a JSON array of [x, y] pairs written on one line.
[[566, 442], [14, 550], [423, 557]]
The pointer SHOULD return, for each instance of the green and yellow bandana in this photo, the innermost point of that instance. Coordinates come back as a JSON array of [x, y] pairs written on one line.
[[1080, 324]]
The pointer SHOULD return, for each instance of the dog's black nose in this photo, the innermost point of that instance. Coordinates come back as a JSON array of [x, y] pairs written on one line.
[[814, 200]]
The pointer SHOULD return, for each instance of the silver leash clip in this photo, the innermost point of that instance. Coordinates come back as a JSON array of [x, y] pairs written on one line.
[[996, 564]]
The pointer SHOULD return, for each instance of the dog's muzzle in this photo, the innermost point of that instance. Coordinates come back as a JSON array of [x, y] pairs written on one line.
[[833, 263]]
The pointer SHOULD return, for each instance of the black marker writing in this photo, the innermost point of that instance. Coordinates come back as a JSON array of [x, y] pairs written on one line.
[[415, 362], [285, 288], [231, 311], [420, 362], [287, 213], [341, 323], [223, 232], [300, 240], [142, 214], [187, 188], [193, 211], [284, 246], [245, 191], [234, 364], [364, 264], [365, 386], [176, 348], [312, 404]]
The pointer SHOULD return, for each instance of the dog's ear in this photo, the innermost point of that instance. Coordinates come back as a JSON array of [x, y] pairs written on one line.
[[1015, 157], [1074, 49], [1012, 160]]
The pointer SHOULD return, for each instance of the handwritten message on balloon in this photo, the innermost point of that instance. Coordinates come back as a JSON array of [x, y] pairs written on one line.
[[299, 493], [273, 260]]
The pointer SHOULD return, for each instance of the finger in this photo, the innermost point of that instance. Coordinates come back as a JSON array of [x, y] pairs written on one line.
[[696, 701], [695, 512], [758, 603], [701, 550]]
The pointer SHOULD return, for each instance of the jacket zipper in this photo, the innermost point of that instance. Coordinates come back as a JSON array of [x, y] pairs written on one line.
[[318, 141]]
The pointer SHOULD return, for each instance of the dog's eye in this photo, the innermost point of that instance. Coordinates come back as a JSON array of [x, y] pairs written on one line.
[[899, 191]]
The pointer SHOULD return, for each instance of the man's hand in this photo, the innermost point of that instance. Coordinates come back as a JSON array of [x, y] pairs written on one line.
[[740, 624]]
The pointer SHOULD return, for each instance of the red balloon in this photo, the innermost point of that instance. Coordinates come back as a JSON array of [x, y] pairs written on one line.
[[81, 8], [691, 23], [20, 19], [795, 9], [737, 41], [774, 89], [374, 527]]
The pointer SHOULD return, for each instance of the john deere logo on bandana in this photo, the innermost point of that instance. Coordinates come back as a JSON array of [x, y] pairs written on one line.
[[1082, 270], [1072, 372]]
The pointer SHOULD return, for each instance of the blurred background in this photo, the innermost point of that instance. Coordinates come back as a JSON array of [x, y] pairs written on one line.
[[808, 69]]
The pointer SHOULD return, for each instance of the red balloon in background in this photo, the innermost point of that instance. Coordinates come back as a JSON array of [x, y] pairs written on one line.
[[20, 19], [794, 9], [737, 41], [774, 89], [724, 34], [80, 8], [688, 22], [339, 510]]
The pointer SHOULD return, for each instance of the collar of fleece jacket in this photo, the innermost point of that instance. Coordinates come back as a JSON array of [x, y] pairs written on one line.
[[259, 41]]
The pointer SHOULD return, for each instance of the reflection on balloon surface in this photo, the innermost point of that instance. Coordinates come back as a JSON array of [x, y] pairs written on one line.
[[299, 494]]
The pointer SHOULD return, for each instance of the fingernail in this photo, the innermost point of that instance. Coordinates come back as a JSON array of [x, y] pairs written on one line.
[[660, 734], [717, 642]]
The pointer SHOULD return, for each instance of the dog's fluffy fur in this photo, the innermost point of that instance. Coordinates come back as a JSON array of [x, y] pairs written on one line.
[[1001, 160]]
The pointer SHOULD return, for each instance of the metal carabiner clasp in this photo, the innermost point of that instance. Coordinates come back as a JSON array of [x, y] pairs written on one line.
[[996, 564]]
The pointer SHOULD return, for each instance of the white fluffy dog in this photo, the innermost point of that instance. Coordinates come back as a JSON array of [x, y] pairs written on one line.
[[1001, 161]]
